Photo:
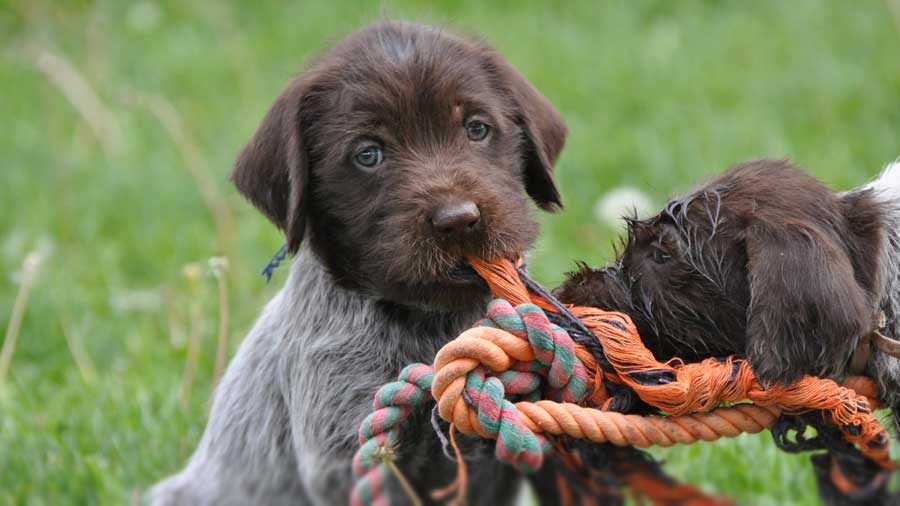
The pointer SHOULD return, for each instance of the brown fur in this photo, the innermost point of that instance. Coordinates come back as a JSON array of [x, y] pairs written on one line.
[[763, 260]]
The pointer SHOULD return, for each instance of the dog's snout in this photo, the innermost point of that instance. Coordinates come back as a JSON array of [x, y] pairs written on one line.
[[456, 217]]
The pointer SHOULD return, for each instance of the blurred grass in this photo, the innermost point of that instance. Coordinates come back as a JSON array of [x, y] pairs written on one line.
[[656, 93]]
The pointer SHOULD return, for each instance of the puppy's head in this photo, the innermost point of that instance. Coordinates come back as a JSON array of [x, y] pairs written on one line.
[[400, 152], [763, 261]]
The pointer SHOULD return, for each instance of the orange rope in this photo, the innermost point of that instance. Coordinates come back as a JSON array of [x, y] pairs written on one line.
[[498, 350], [691, 399], [644, 431]]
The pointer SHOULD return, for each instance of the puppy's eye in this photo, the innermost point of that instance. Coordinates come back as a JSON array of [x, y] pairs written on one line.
[[477, 130], [369, 156], [660, 256]]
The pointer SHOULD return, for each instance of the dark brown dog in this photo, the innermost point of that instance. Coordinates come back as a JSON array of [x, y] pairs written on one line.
[[763, 261], [394, 156], [766, 262]]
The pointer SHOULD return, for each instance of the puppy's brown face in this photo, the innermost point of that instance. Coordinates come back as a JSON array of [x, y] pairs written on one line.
[[764, 261], [401, 152], [680, 276]]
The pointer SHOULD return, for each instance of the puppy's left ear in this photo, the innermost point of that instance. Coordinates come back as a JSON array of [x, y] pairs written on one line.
[[806, 307], [543, 128]]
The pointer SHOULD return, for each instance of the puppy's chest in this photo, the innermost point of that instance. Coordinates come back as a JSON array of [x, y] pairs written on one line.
[[373, 345], [375, 349], [338, 369], [342, 337]]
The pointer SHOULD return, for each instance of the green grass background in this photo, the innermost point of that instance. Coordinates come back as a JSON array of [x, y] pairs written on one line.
[[656, 93]]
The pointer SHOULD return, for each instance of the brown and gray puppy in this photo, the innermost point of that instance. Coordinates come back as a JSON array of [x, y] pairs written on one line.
[[394, 156], [767, 262]]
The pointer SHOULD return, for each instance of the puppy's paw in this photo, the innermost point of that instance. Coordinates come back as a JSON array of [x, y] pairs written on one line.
[[784, 361], [774, 365]]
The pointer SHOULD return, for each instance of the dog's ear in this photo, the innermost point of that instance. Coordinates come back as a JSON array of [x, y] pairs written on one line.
[[544, 130], [806, 307], [271, 171], [865, 221]]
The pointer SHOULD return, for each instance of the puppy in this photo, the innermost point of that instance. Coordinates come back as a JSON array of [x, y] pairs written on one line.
[[766, 262], [394, 156]]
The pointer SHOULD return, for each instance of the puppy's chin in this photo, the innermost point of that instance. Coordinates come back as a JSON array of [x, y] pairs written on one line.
[[459, 291], [452, 286], [431, 278]]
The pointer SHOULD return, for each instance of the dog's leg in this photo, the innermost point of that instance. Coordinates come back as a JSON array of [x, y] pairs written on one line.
[[327, 401], [245, 454]]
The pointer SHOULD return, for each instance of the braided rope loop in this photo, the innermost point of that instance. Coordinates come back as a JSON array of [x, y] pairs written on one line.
[[379, 432]]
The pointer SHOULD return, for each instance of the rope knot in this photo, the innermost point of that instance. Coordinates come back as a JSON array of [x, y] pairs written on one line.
[[553, 349], [500, 419]]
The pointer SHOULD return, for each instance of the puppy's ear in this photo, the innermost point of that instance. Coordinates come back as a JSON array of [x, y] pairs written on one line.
[[865, 220], [271, 171], [806, 307], [544, 130]]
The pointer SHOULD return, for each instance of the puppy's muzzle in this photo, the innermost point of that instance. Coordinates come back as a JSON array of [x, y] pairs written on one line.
[[455, 219]]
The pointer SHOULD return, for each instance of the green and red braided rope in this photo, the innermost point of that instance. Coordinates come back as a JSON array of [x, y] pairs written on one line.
[[380, 430], [489, 394]]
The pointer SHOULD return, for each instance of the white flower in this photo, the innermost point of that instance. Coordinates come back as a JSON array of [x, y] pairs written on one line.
[[619, 202], [218, 265]]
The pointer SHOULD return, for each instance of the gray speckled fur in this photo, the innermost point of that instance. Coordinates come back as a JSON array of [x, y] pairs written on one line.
[[283, 424]]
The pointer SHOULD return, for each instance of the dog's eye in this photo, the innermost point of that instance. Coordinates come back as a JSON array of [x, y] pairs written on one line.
[[477, 131], [369, 156], [660, 256]]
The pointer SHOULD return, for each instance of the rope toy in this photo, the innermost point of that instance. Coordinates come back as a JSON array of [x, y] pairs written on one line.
[[534, 370]]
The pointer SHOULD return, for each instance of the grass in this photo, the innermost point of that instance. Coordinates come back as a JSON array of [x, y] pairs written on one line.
[[121, 120]]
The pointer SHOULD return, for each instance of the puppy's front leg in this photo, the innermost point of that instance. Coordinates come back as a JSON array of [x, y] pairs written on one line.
[[245, 454], [330, 393]]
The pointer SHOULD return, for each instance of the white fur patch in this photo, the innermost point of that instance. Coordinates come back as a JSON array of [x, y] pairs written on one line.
[[888, 184], [884, 367]]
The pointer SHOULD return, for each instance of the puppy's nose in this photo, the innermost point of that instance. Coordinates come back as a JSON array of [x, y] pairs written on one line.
[[456, 217]]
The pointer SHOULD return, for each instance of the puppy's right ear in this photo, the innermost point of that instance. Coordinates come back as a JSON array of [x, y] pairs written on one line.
[[807, 308], [271, 171]]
